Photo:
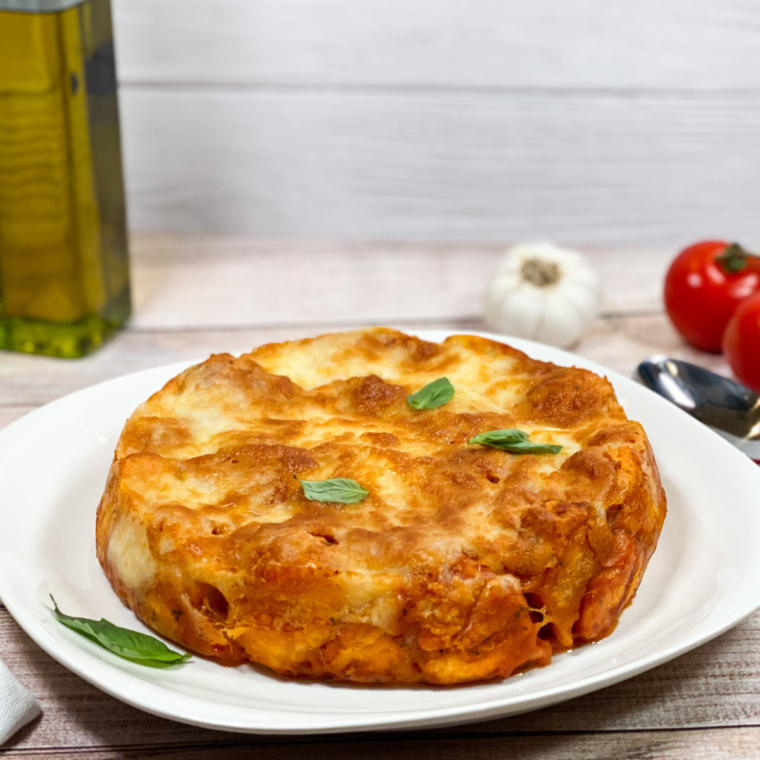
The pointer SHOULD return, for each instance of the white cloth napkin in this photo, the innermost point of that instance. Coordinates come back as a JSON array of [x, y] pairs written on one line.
[[17, 704]]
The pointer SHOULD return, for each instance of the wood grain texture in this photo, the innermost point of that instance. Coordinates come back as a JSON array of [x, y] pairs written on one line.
[[696, 745], [442, 119], [456, 165], [268, 282], [691, 44]]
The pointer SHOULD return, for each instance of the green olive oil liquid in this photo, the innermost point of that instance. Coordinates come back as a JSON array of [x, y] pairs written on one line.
[[64, 273]]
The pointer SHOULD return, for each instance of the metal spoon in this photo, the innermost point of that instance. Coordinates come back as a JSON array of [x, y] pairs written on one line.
[[731, 409]]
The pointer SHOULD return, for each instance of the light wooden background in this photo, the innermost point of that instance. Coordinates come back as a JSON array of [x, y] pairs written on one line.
[[600, 121]]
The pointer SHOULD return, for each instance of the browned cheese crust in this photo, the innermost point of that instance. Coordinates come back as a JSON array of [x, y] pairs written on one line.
[[464, 563]]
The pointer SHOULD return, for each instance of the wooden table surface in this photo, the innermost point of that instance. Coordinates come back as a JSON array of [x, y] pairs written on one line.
[[194, 296]]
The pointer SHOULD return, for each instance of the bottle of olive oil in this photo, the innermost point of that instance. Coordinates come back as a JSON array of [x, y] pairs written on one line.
[[64, 273]]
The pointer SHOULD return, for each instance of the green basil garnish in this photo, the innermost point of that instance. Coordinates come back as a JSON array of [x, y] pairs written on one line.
[[514, 441], [341, 490], [131, 645], [433, 395]]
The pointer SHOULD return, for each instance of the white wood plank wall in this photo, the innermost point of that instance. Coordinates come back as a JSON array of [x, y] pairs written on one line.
[[608, 121]]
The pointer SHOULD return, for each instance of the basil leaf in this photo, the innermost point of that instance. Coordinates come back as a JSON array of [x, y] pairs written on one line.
[[514, 441], [433, 395], [341, 490], [131, 645]]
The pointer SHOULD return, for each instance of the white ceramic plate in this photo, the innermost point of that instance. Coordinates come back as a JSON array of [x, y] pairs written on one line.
[[701, 581]]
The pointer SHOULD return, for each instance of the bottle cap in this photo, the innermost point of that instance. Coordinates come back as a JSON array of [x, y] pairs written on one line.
[[38, 6]]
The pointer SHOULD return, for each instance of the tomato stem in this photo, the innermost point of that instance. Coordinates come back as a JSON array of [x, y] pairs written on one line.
[[734, 258]]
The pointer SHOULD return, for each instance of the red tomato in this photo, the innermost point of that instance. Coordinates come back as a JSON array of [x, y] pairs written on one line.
[[741, 342], [702, 293]]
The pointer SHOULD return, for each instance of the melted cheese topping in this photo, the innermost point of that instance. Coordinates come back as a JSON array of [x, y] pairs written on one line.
[[129, 555], [464, 562]]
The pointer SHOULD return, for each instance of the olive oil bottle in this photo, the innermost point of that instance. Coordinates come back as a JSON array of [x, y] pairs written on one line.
[[64, 272]]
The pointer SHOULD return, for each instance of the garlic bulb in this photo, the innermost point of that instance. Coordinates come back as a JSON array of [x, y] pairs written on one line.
[[542, 292]]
